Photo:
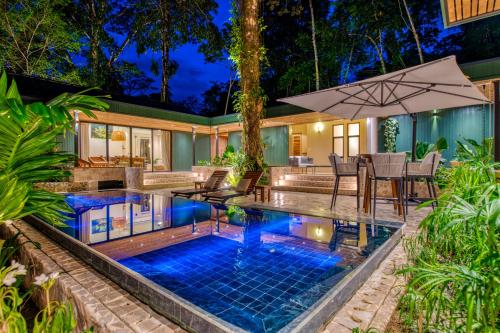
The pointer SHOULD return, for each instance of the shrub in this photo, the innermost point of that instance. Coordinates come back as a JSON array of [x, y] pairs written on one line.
[[454, 262]]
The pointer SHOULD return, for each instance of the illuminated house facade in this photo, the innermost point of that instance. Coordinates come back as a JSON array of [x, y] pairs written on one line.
[[132, 133]]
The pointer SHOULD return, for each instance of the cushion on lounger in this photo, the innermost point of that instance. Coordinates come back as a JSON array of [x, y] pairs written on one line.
[[243, 185]]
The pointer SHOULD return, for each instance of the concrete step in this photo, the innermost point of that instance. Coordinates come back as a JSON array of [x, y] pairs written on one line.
[[345, 183], [327, 178], [157, 186], [169, 175], [158, 180], [307, 183], [309, 189]]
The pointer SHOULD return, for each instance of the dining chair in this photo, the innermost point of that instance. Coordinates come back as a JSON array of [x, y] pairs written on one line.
[[342, 169], [425, 169], [388, 167]]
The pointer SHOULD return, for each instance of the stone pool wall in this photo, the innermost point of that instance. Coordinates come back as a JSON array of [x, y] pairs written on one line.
[[86, 179]]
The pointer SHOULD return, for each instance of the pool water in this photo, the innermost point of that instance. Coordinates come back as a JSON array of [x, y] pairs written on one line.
[[255, 269]]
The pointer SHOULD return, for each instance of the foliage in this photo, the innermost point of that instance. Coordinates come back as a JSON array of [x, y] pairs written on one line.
[[55, 317], [369, 330], [173, 23], [28, 139], [37, 39], [391, 130], [424, 148], [473, 152], [237, 161], [454, 260]]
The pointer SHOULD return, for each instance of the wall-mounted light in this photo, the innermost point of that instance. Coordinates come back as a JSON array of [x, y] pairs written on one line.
[[319, 232], [319, 127], [435, 113]]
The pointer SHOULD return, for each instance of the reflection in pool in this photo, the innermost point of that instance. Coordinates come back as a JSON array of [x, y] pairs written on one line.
[[256, 269]]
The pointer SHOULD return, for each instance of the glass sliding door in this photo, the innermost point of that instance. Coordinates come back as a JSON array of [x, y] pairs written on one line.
[[141, 148], [92, 142], [161, 150], [119, 145]]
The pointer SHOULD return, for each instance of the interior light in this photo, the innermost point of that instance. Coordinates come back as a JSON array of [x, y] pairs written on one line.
[[319, 127], [319, 232]]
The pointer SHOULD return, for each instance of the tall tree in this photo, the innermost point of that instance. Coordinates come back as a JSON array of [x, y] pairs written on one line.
[[108, 27], [247, 52], [411, 26], [313, 40], [175, 23], [37, 40]]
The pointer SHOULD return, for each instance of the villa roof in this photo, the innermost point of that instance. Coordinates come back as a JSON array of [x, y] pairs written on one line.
[[281, 114], [456, 12]]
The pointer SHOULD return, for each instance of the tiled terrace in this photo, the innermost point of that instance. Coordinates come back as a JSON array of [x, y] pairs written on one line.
[[108, 308]]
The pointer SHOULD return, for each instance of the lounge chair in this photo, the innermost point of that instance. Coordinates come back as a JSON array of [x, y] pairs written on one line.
[[98, 162], [245, 186], [213, 183]]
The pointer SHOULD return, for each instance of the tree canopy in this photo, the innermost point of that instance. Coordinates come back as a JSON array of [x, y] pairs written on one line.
[[308, 43]]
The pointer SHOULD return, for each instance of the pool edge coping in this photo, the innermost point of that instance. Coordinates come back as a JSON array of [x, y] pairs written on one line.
[[306, 322], [217, 324]]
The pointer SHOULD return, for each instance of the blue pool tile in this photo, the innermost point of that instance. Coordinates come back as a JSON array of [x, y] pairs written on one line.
[[259, 283]]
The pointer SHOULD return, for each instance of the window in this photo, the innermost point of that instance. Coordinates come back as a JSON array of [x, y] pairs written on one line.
[[122, 146], [119, 145], [141, 148], [161, 150], [353, 139], [92, 142], [338, 140]]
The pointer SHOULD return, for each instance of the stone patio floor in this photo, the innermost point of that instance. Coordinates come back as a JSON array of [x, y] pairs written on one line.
[[104, 305]]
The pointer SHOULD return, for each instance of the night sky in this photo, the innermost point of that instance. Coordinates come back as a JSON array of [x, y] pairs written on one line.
[[193, 76]]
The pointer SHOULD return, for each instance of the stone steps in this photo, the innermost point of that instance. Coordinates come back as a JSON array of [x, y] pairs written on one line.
[[158, 180], [324, 177], [318, 183]]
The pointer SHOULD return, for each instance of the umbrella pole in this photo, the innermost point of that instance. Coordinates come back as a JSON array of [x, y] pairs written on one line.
[[413, 149]]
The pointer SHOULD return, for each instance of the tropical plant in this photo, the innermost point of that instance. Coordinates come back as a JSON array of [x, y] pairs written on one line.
[[55, 317], [391, 130], [473, 152], [424, 148], [28, 139], [454, 260]]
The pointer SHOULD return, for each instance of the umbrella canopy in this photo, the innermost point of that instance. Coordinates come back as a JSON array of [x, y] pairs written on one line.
[[438, 84]]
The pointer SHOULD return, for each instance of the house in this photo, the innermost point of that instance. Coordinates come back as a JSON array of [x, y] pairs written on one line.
[[158, 139]]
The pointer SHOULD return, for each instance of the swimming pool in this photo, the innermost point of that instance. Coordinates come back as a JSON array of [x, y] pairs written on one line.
[[232, 268]]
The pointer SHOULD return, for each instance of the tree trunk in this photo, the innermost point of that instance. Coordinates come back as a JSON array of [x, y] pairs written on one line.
[[94, 42], [228, 96], [250, 80], [165, 48], [313, 38], [414, 32]]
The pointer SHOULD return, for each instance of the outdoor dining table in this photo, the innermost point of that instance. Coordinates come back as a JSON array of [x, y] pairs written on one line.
[[365, 160]]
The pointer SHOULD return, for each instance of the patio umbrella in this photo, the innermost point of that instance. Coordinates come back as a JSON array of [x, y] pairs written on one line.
[[438, 84]]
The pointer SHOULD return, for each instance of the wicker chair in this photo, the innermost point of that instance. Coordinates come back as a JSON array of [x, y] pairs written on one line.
[[389, 167], [341, 169], [425, 169]]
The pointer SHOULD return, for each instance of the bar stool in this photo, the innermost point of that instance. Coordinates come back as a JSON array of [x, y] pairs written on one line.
[[342, 169], [425, 169], [389, 167]]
